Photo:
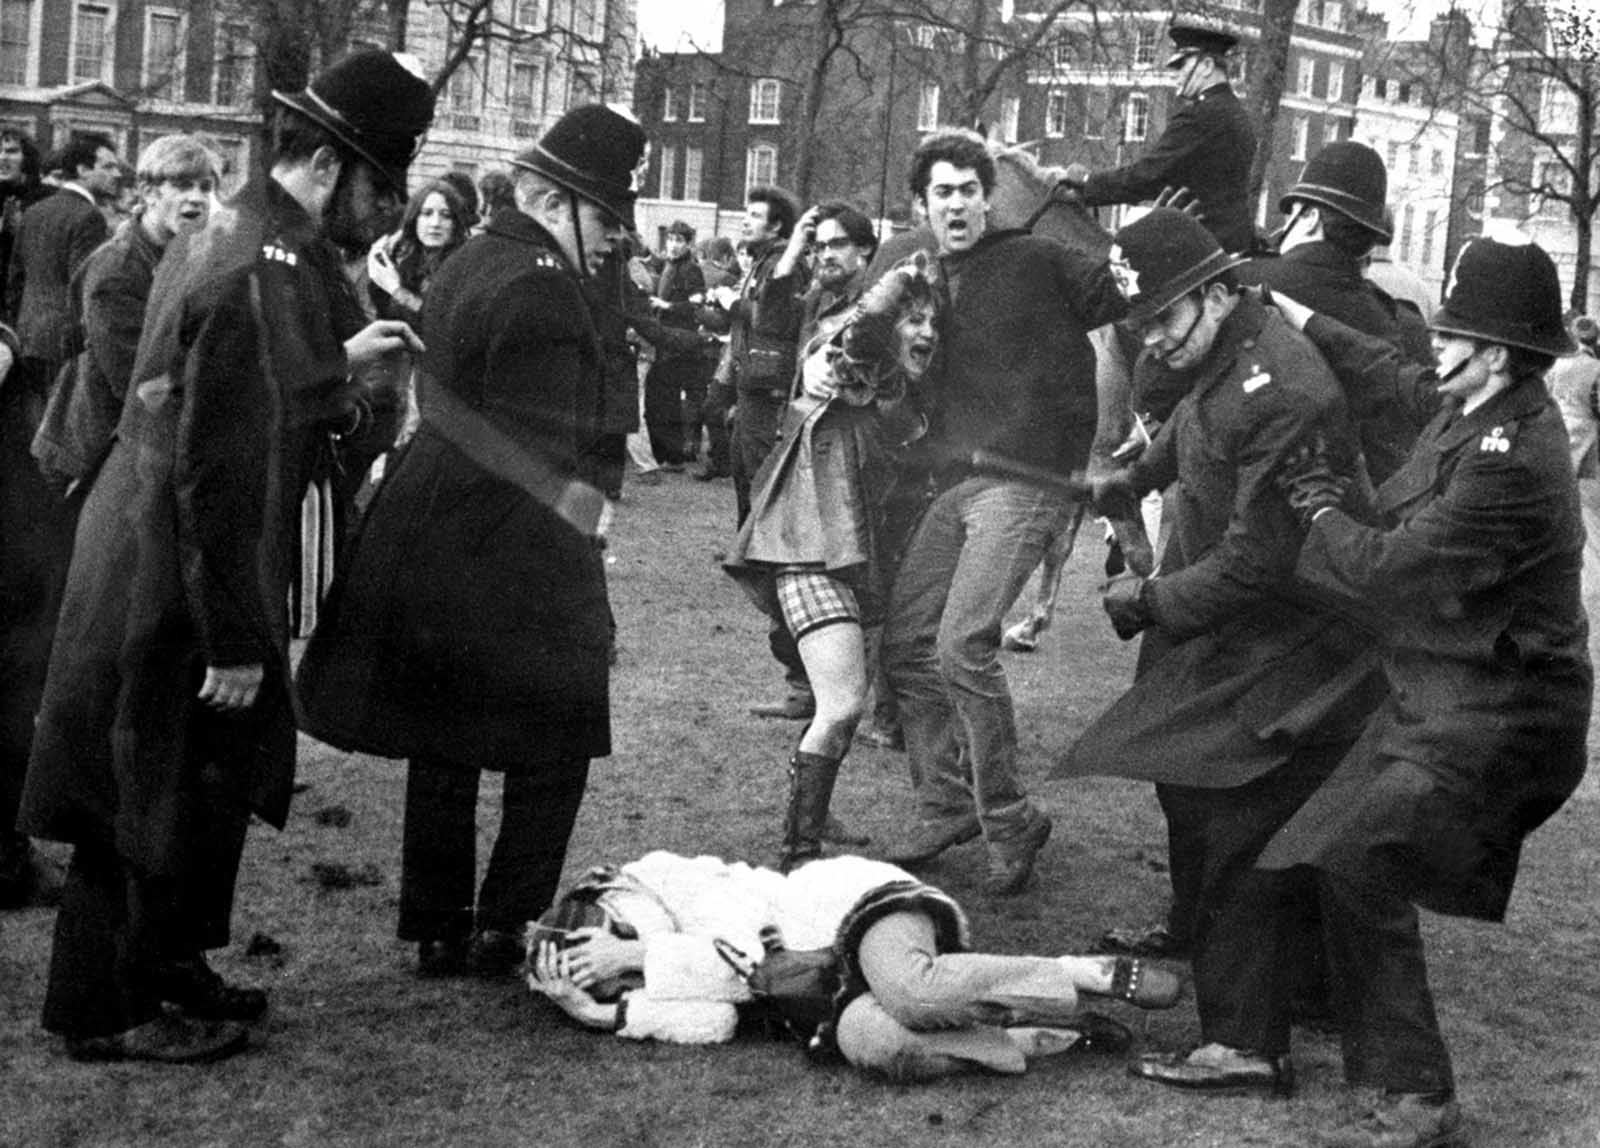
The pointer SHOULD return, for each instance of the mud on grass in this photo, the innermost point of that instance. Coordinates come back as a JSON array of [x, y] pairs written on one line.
[[358, 1051]]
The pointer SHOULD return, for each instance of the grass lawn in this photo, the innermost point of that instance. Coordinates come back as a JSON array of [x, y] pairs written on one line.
[[358, 1051]]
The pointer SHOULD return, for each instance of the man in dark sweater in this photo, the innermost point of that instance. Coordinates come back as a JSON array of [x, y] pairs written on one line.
[[1017, 382]]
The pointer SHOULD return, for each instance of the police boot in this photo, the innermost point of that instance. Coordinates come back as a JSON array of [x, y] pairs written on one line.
[[811, 778]]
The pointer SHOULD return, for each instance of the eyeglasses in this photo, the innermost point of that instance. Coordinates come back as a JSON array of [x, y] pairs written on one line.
[[841, 244]]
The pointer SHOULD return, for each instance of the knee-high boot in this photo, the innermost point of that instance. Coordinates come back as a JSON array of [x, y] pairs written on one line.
[[811, 778]]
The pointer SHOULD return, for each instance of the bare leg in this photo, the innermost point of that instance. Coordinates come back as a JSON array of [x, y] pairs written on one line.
[[835, 658]]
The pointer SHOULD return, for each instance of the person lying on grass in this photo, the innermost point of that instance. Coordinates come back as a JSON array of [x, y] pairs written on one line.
[[913, 1002]]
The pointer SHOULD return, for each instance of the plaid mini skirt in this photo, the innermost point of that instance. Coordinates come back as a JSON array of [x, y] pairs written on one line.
[[811, 599]]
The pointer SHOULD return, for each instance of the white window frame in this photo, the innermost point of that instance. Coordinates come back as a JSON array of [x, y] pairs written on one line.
[[583, 87], [1330, 131], [1010, 118], [1555, 174], [30, 61], [175, 91], [1136, 118], [1305, 76], [108, 42], [669, 105], [669, 164], [541, 15], [1335, 80], [1145, 46], [1096, 111], [1063, 52], [1408, 217], [928, 108], [1430, 224], [535, 107], [758, 155], [694, 163], [697, 102], [464, 95], [1057, 113], [239, 55], [765, 91], [1302, 132]]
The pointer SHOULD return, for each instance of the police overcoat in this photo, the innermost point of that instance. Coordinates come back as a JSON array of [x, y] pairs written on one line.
[[1473, 576], [189, 534], [470, 623], [1208, 146], [1258, 669]]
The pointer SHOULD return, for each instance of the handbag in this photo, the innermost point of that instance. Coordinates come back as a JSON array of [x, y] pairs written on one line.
[[794, 989]]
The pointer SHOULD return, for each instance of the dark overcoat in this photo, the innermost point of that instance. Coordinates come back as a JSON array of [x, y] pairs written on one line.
[[470, 623], [54, 237], [1259, 669], [188, 536], [1473, 578], [1207, 147], [109, 298], [1331, 283]]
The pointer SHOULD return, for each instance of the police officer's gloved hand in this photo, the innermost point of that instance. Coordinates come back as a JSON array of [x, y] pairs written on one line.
[[1112, 494], [1126, 602], [1309, 482]]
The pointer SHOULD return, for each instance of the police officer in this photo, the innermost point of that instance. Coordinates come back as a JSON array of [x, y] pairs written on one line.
[[1251, 706], [1471, 573], [1336, 216], [1207, 147]]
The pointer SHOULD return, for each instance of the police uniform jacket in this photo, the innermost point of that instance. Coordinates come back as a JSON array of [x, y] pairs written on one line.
[[1472, 574], [470, 623], [189, 534], [1208, 147], [1258, 668], [1331, 283]]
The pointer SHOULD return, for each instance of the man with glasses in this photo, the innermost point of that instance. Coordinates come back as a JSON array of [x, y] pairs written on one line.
[[1207, 147]]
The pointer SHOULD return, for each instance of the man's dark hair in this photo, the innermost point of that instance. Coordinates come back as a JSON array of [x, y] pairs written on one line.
[[718, 249], [82, 152], [855, 225], [31, 170], [1346, 234], [781, 207], [498, 192], [961, 149]]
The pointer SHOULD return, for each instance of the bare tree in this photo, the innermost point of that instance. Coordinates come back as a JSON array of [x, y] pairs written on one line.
[[1269, 67], [1541, 84]]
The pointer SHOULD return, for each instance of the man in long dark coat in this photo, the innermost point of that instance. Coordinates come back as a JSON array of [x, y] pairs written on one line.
[[470, 629], [1471, 572], [1263, 691], [1207, 147], [168, 715]]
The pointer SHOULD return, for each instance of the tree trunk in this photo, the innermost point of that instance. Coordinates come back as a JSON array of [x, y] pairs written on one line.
[[1269, 71], [826, 36]]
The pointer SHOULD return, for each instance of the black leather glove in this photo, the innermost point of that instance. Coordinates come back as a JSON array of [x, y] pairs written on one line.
[[1126, 603], [1113, 495], [1309, 482]]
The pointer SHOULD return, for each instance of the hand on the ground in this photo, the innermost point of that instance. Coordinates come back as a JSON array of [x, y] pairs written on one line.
[[379, 338], [232, 687], [1125, 603], [599, 954]]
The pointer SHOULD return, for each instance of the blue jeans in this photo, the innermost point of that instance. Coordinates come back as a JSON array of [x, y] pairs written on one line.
[[966, 566]]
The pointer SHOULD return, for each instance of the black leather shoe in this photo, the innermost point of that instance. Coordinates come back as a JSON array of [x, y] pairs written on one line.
[[169, 1039], [446, 957], [1217, 1068], [495, 954], [200, 992]]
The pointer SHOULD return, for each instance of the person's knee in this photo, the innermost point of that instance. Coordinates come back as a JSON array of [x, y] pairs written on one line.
[[966, 657], [873, 1041]]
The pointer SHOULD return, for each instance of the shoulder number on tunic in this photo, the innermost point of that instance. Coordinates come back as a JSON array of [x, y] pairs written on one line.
[[1258, 379], [1495, 442], [275, 253]]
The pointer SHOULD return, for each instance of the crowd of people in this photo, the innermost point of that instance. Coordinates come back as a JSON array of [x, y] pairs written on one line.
[[1364, 671]]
